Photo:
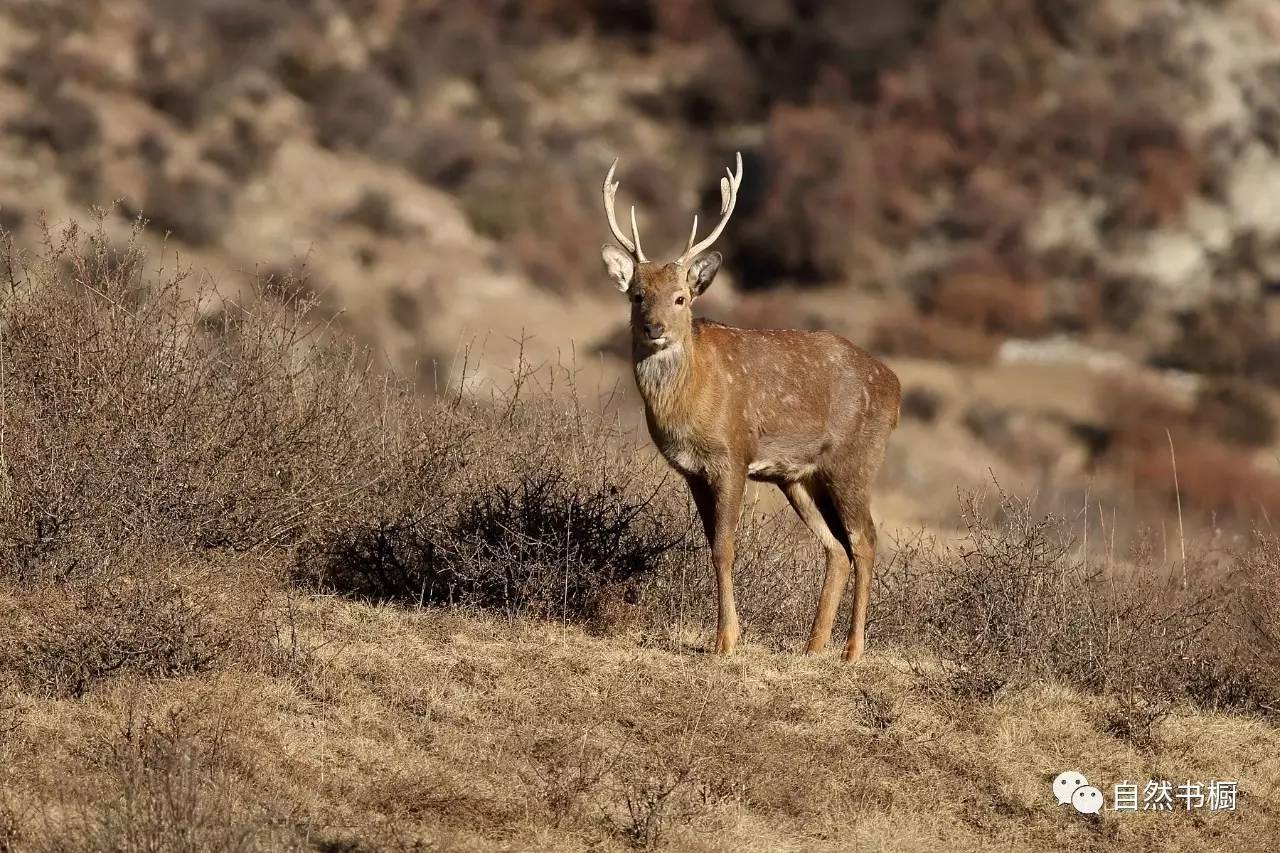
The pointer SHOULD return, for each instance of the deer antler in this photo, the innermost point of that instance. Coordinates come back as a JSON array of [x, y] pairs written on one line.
[[728, 198], [631, 245]]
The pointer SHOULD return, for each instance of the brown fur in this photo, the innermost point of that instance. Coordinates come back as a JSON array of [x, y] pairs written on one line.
[[807, 411]]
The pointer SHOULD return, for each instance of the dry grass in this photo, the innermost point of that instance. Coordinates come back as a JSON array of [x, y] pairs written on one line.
[[431, 729], [254, 597]]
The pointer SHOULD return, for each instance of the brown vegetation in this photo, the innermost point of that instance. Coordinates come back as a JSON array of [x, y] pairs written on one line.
[[254, 596], [1204, 454], [900, 141]]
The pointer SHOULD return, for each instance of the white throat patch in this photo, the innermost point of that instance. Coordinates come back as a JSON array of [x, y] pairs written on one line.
[[656, 371]]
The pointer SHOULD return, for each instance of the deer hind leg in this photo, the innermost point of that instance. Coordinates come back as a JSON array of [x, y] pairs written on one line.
[[864, 557], [719, 506], [807, 499]]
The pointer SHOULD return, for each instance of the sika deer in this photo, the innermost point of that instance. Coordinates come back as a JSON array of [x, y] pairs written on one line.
[[807, 411]]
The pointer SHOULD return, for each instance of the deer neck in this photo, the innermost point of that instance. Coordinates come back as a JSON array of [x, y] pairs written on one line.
[[663, 377]]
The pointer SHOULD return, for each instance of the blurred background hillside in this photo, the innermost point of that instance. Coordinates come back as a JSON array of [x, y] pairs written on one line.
[[1059, 220]]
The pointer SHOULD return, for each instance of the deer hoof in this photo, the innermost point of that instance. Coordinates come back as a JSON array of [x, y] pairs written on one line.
[[814, 648], [725, 644]]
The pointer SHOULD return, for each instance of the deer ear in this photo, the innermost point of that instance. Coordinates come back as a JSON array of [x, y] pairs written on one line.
[[703, 270], [620, 265]]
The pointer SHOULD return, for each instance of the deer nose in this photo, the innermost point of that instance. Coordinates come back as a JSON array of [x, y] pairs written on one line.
[[654, 330]]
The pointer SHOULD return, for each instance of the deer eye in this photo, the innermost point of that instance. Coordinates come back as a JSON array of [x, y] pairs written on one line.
[[679, 300]]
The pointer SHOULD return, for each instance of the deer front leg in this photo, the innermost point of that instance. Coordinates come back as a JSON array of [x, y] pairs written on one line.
[[719, 501]]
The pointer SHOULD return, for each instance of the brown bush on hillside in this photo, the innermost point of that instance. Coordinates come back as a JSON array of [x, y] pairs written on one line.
[[193, 208], [376, 211], [1161, 631], [1236, 412], [724, 88], [1212, 445], [550, 217], [66, 124], [71, 621], [448, 155], [1151, 169], [1263, 362], [1218, 338], [1139, 412], [432, 42], [352, 109], [181, 783], [547, 513], [910, 333], [197, 433], [990, 303], [819, 190], [1211, 477], [684, 20]]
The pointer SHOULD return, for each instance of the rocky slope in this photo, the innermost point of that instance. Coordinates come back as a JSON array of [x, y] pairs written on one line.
[[933, 179]]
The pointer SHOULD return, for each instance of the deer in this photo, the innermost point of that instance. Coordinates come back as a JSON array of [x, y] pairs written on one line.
[[807, 411]]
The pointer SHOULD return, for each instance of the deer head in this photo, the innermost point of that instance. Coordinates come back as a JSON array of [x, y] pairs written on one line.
[[662, 294]]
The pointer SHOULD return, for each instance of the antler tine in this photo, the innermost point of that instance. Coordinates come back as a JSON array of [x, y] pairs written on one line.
[[635, 232], [728, 198], [610, 190]]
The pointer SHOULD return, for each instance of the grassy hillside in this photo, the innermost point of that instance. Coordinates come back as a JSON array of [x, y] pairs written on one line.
[[407, 730], [255, 595]]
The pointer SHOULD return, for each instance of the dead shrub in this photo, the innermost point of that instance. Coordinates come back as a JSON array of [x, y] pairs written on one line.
[[651, 807], [993, 304], [448, 155], [1017, 600], [171, 781], [566, 775], [910, 333], [725, 86], [1235, 412], [1139, 413], [549, 538], [1218, 339], [1261, 573], [72, 622], [194, 208], [376, 211], [1136, 720], [921, 404], [1211, 477], [352, 108], [820, 186], [63, 122], [246, 429]]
